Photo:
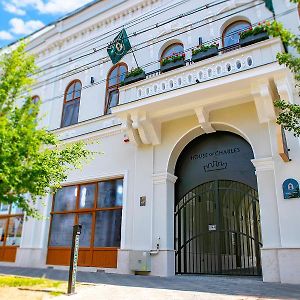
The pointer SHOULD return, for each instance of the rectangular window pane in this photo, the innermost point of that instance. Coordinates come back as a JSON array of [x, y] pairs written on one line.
[[65, 198], [77, 90], [62, 230], [108, 228], [15, 210], [4, 209], [110, 193], [113, 77], [113, 99], [14, 231], [85, 237], [2, 230], [71, 111], [69, 95], [87, 196]]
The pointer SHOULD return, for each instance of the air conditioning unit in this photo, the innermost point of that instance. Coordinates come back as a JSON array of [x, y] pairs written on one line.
[[140, 261]]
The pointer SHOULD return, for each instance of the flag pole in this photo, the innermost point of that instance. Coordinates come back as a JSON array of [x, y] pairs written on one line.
[[134, 58]]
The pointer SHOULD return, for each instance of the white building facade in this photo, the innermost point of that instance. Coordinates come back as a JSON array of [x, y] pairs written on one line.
[[192, 167]]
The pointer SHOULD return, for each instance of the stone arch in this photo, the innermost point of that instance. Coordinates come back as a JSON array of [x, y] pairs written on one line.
[[167, 44], [197, 131], [231, 21]]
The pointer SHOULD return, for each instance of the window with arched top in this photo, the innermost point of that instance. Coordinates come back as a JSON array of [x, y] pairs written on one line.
[[71, 104], [231, 34], [114, 78], [172, 49], [35, 99]]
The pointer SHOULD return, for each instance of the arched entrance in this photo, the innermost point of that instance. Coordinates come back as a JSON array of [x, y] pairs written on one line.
[[217, 223]]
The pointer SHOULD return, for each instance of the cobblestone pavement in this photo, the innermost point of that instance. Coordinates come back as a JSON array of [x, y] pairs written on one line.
[[103, 286]]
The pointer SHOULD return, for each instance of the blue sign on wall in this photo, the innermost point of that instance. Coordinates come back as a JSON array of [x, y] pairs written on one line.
[[291, 189]]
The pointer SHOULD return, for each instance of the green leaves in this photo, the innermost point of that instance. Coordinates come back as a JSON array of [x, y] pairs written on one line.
[[289, 114], [134, 72], [32, 161], [204, 48]]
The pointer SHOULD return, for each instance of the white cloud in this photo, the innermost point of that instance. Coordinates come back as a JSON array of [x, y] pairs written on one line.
[[13, 9], [5, 36], [50, 6], [18, 26]]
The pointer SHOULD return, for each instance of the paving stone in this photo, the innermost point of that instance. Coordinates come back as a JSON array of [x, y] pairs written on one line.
[[173, 288]]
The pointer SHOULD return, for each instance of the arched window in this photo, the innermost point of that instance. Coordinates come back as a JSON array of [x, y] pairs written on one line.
[[172, 49], [114, 79], [35, 99], [71, 104], [231, 34]]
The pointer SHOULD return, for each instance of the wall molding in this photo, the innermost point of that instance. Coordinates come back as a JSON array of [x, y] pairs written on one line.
[[263, 164], [162, 178]]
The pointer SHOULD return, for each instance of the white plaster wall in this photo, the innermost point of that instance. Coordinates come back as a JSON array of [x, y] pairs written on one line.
[[93, 97], [141, 226]]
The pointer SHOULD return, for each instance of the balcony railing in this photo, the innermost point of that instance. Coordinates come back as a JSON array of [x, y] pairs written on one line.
[[225, 64]]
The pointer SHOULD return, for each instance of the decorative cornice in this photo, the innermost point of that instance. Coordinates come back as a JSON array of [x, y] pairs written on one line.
[[161, 178], [263, 164], [103, 24], [96, 135]]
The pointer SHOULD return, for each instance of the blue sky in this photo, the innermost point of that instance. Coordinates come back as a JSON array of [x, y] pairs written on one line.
[[19, 18]]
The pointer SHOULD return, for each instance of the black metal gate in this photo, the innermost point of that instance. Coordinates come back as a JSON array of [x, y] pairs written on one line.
[[217, 230]]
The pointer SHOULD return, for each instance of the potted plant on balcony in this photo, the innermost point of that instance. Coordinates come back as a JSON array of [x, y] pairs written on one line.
[[176, 60], [204, 51], [134, 75], [254, 35]]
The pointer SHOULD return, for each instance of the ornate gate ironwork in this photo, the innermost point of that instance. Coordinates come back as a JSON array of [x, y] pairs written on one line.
[[217, 230]]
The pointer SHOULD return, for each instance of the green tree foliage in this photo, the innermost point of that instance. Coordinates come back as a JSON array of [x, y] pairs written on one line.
[[32, 161], [289, 115]]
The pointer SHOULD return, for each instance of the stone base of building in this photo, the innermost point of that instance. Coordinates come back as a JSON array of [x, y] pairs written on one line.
[[281, 265], [31, 257], [162, 263]]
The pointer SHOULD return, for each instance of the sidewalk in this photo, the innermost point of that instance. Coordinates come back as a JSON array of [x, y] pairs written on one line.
[[129, 287]]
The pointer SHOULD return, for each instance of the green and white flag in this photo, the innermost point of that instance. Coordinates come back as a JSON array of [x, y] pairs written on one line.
[[269, 5], [119, 47]]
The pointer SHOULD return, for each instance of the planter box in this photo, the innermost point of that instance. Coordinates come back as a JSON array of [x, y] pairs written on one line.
[[252, 39], [133, 79], [206, 54], [172, 65]]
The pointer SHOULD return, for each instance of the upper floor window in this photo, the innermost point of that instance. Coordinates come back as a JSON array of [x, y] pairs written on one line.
[[172, 49], [11, 222], [35, 99], [231, 34], [71, 104], [114, 79]]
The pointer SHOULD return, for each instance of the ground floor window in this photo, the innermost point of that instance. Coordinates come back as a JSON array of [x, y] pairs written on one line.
[[97, 206], [11, 224]]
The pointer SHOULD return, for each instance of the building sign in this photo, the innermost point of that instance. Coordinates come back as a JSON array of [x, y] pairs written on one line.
[[212, 227], [290, 189], [217, 156]]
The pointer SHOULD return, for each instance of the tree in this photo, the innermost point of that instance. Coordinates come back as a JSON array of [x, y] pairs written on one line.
[[32, 161], [289, 115]]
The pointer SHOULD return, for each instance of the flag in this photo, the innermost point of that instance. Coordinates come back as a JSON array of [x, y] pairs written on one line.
[[269, 5], [119, 47]]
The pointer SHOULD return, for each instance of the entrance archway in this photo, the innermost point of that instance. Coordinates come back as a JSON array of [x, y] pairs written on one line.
[[217, 222]]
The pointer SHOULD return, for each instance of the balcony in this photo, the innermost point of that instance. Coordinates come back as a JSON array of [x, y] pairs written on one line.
[[231, 78]]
